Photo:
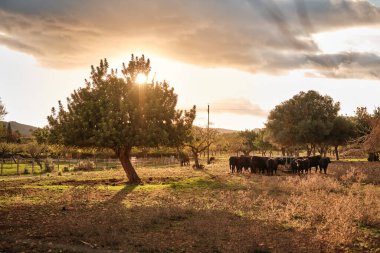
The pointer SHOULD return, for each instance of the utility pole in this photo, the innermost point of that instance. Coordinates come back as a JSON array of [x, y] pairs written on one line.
[[208, 134]]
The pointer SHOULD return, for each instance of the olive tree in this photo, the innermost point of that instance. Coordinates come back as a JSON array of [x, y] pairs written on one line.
[[305, 119], [344, 129], [114, 111], [247, 139]]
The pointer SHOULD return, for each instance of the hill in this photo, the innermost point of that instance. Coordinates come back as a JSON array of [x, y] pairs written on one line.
[[25, 130], [225, 131]]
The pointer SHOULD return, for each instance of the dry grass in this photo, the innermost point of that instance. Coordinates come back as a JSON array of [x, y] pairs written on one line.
[[182, 210]]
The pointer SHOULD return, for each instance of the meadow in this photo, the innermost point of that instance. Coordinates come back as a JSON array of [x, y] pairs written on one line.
[[178, 209]]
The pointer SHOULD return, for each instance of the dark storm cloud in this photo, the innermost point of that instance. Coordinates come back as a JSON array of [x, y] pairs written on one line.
[[252, 35]]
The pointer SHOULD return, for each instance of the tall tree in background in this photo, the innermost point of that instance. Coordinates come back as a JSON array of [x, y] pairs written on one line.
[[42, 135], [306, 119], [262, 143], [247, 138], [12, 136], [3, 112], [117, 113], [370, 123], [344, 130]]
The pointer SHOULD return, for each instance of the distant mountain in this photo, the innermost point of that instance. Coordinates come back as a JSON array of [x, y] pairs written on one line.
[[25, 130], [225, 131]]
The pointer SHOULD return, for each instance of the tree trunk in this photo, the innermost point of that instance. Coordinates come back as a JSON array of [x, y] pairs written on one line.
[[308, 150], [124, 157], [196, 160], [336, 153]]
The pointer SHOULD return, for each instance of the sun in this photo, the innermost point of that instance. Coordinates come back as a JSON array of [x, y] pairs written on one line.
[[141, 78]]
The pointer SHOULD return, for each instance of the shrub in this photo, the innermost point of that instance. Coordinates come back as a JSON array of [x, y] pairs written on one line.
[[85, 166], [26, 171], [49, 166]]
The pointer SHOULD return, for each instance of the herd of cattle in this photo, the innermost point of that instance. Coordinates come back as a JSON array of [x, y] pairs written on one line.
[[269, 165]]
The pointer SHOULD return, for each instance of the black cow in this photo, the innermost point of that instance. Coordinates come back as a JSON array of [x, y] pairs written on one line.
[[303, 165], [314, 162], [244, 162], [272, 164], [258, 164], [323, 163], [234, 162], [294, 166], [185, 161]]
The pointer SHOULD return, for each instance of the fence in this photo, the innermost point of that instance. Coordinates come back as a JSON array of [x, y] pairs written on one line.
[[28, 166]]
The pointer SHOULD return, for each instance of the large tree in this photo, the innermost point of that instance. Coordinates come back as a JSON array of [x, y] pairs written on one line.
[[114, 111], [344, 129], [262, 143], [306, 119], [247, 139]]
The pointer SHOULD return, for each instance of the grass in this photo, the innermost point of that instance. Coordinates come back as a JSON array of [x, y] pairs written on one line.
[[178, 209]]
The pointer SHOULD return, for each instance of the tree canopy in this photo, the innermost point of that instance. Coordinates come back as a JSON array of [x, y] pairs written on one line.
[[369, 127], [113, 111], [344, 129], [247, 139], [306, 119]]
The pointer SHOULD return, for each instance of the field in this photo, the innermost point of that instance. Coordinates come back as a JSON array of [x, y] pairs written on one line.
[[182, 210]]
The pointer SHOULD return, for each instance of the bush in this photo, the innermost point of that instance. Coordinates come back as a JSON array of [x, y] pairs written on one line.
[[49, 166], [26, 171], [66, 169], [85, 166]]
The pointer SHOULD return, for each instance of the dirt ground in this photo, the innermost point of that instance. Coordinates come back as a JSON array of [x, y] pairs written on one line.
[[183, 210]]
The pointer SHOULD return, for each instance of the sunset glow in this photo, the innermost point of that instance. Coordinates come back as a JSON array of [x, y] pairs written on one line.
[[141, 78], [242, 58]]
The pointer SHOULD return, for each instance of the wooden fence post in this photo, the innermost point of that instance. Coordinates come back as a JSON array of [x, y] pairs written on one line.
[[18, 166]]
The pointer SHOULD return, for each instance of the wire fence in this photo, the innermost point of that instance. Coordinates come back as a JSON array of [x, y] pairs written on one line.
[[22, 166]]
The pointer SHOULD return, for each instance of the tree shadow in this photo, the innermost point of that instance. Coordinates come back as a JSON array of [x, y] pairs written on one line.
[[167, 226]]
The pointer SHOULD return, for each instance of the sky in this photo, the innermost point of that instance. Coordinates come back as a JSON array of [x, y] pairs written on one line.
[[241, 57]]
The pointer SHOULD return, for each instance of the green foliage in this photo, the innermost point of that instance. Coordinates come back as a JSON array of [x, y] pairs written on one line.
[[344, 129], [261, 141], [307, 118], [42, 135], [12, 136], [111, 111], [366, 121], [115, 112], [247, 139]]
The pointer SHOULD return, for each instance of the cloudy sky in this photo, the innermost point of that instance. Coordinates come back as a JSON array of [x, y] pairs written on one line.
[[242, 57]]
